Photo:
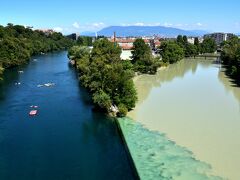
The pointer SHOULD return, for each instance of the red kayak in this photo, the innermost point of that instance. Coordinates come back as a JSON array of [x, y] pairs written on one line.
[[33, 112]]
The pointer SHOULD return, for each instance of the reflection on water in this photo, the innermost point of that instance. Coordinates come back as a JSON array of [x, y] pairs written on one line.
[[145, 83], [197, 107], [229, 85]]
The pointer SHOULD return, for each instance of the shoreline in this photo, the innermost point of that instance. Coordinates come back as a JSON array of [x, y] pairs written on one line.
[[128, 152]]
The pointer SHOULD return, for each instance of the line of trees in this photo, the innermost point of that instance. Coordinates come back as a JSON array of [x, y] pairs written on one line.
[[191, 50], [173, 51], [231, 57], [18, 44]]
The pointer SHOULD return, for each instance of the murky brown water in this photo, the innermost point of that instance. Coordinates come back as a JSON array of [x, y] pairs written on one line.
[[198, 107]]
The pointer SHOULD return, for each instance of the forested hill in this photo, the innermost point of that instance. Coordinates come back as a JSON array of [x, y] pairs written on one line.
[[18, 44]]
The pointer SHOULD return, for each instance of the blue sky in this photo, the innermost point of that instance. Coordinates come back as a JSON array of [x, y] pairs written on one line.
[[91, 15]]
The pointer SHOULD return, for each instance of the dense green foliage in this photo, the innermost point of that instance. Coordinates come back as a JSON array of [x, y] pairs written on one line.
[[85, 41], [1, 72], [143, 59], [208, 46], [18, 44], [106, 76], [190, 50], [171, 52], [231, 57], [78, 52]]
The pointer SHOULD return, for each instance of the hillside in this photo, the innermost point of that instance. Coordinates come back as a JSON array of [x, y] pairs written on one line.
[[146, 31]]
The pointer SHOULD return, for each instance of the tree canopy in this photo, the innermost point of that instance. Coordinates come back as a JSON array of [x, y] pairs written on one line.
[[18, 44], [171, 52], [84, 41], [106, 76], [190, 50], [231, 56], [1, 71], [143, 59], [208, 46]]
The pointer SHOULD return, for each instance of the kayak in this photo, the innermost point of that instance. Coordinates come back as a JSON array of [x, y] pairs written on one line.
[[33, 112]]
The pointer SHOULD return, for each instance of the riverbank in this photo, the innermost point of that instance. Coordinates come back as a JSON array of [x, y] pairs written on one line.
[[190, 102], [19, 43]]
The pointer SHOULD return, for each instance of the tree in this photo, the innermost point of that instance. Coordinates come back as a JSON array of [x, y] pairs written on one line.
[[196, 41], [171, 52], [102, 99], [208, 45], [1, 72], [231, 57], [191, 50], [180, 40], [141, 51], [106, 76], [185, 40], [122, 110], [18, 44], [142, 58], [197, 44], [85, 41], [78, 52], [106, 50]]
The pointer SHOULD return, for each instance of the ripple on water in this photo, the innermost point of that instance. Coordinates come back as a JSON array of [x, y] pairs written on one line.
[[157, 157]]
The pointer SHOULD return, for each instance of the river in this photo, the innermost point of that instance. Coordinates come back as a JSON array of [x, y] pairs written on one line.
[[193, 109], [66, 140]]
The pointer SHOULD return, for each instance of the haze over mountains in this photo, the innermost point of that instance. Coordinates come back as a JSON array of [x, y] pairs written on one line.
[[162, 31]]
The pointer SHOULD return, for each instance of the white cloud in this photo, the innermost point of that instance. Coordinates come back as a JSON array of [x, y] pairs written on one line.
[[98, 25], [58, 29], [168, 24], [156, 24], [199, 24], [76, 25], [124, 24], [179, 25], [139, 24]]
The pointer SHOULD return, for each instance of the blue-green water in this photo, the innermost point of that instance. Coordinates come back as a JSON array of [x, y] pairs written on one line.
[[157, 157], [66, 140]]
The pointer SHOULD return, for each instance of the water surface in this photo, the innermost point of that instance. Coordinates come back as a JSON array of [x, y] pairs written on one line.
[[196, 106], [66, 140]]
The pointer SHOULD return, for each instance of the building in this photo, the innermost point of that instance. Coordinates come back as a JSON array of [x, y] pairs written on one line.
[[191, 40], [219, 37], [46, 31], [126, 43]]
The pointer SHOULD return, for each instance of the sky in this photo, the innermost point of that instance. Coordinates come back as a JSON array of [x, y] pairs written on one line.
[[68, 16]]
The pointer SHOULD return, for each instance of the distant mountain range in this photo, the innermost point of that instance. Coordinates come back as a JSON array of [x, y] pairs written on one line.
[[124, 31]]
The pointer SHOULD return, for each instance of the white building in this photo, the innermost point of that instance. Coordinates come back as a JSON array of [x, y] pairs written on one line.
[[219, 37]]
